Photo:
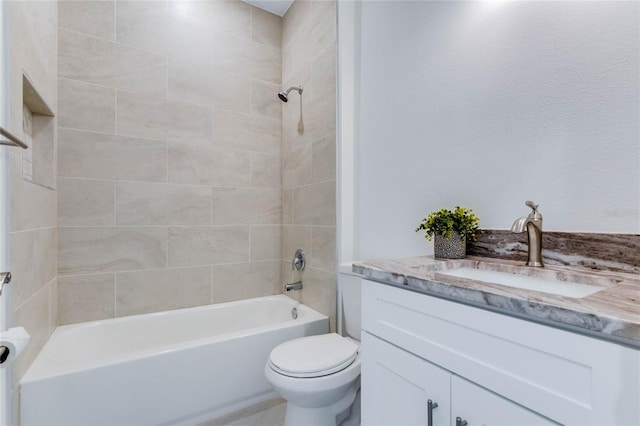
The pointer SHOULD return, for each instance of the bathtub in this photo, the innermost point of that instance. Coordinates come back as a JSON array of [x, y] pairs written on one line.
[[177, 367]]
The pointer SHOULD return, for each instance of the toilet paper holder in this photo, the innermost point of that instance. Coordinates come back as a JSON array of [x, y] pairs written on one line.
[[5, 278], [12, 343]]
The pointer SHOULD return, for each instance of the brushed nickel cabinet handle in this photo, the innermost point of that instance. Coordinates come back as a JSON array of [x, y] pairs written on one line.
[[430, 406]]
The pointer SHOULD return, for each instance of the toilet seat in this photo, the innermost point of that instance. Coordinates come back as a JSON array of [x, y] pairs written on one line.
[[313, 356]]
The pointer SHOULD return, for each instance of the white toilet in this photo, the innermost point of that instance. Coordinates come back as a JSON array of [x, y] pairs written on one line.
[[319, 376]]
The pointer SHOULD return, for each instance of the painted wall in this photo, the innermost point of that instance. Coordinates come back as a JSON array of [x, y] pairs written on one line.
[[308, 151], [489, 104], [33, 52], [169, 156]]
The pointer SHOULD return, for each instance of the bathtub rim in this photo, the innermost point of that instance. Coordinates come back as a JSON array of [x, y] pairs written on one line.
[[37, 372]]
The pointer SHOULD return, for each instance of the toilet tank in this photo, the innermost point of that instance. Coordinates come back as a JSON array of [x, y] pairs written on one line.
[[350, 290]]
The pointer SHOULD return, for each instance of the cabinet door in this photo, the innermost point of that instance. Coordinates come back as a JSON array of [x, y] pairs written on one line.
[[396, 386], [478, 406]]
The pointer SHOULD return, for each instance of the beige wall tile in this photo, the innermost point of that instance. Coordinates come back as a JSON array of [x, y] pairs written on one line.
[[265, 170], [94, 250], [162, 204], [264, 99], [297, 167], [315, 204], [244, 131], [189, 42], [86, 298], [186, 123], [53, 305], [209, 86], [32, 206], [319, 121], [86, 106], [266, 28], [85, 58], [323, 159], [247, 206], [287, 206], [322, 31], [151, 117], [45, 256], [207, 245], [233, 17], [295, 21], [206, 165], [44, 151], [323, 72], [22, 267], [141, 116], [86, 202], [293, 238], [239, 55], [141, 26], [141, 292], [265, 242], [319, 290], [100, 156], [323, 248], [296, 55], [33, 315], [245, 280], [96, 18]]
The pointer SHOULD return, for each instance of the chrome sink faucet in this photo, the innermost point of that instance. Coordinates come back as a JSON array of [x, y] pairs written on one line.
[[533, 225]]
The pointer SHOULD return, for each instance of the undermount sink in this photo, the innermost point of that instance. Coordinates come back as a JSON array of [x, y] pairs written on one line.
[[519, 278]]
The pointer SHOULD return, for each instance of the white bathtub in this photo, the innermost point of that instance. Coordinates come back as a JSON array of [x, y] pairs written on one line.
[[177, 367]]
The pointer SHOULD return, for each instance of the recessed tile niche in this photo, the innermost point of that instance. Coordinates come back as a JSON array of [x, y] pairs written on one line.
[[38, 132]]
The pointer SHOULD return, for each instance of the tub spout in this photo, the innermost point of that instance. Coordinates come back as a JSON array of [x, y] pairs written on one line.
[[533, 225], [293, 286]]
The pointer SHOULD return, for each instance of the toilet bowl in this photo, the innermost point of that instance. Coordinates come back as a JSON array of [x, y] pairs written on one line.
[[318, 376]]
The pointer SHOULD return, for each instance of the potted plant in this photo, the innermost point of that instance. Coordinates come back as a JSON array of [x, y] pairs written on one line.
[[451, 230]]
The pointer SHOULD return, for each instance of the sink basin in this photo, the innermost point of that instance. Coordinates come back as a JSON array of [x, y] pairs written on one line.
[[535, 283]]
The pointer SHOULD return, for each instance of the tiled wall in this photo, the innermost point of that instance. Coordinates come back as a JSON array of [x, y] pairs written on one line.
[[169, 183], [33, 52], [308, 150]]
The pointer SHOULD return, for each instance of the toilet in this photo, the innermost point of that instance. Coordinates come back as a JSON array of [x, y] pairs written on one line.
[[319, 376]]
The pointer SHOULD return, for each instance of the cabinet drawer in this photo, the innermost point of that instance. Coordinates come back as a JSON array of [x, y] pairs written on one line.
[[567, 377]]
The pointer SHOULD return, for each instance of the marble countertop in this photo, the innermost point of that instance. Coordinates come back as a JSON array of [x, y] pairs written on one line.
[[611, 314]]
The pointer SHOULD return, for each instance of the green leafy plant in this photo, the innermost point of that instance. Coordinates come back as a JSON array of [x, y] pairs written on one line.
[[446, 222]]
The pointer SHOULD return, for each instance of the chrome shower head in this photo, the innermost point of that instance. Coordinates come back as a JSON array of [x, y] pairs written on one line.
[[284, 95]]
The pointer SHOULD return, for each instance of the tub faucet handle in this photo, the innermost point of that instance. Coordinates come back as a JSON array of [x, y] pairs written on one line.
[[299, 261]]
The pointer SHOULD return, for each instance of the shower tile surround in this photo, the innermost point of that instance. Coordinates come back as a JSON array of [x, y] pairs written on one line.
[[172, 155], [33, 53], [308, 151], [169, 156]]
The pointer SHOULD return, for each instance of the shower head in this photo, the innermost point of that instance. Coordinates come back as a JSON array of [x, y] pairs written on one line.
[[284, 95]]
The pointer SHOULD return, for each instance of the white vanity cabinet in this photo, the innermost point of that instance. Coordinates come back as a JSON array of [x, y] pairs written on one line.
[[397, 387], [400, 388], [486, 368]]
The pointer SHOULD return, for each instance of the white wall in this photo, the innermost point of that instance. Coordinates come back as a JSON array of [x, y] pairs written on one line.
[[489, 104]]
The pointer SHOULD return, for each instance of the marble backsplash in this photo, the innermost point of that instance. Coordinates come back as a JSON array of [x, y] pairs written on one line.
[[604, 252]]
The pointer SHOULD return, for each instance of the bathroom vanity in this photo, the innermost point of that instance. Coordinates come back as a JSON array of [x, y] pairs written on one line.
[[443, 349]]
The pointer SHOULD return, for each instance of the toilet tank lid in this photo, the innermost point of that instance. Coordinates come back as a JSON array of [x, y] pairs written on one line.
[[314, 354]]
